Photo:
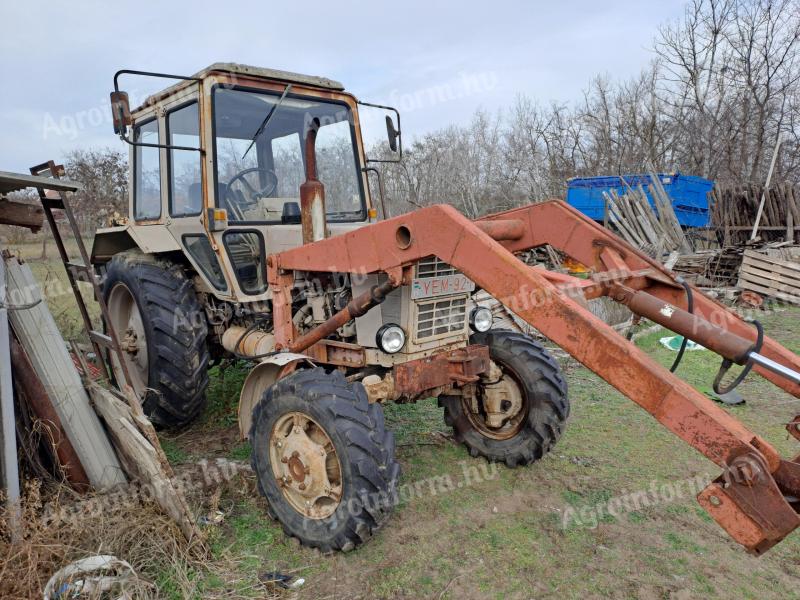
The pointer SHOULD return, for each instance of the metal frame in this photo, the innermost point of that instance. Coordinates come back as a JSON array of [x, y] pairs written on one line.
[[103, 343], [399, 133], [123, 136], [750, 500]]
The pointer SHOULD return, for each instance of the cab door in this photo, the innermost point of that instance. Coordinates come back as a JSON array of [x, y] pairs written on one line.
[[186, 189]]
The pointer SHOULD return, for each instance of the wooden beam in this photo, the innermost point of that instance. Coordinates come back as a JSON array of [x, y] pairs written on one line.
[[142, 460], [21, 214]]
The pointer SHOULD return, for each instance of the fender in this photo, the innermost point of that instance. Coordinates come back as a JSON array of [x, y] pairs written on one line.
[[152, 239], [263, 375]]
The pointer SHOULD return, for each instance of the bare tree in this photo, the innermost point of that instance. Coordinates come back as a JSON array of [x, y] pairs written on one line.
[[103, 173]]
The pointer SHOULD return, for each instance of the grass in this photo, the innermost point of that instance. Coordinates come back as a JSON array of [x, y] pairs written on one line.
[[503, 536]]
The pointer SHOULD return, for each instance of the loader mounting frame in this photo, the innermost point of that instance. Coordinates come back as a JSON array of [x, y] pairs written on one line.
[[749, 500]]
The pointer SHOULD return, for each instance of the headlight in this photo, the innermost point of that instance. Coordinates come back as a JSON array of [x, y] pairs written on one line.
[[391, 338], [480, 319]]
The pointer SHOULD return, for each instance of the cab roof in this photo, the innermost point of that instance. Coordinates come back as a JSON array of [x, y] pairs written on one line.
[[239, 69]]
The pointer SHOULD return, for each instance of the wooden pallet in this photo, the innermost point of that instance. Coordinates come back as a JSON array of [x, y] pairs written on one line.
[[770, 276]]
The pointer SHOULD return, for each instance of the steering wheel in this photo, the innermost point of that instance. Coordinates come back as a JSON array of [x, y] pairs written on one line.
[[255, 193]]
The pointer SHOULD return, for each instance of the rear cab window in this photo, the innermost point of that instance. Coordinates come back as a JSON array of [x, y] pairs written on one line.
[[147, 172]]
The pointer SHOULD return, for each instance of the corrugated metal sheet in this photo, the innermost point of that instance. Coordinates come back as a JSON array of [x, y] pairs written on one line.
[[39, 335]]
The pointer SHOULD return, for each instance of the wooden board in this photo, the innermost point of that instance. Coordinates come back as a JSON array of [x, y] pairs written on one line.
[[142, 460], [770, 276]]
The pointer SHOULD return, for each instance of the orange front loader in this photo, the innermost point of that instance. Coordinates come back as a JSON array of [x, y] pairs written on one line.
[[756, 499]]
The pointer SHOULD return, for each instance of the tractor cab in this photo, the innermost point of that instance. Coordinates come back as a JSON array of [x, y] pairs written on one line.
[[217, 162]]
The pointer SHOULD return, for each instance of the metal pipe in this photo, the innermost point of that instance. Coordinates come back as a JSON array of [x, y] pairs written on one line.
[[503, 229], [357, 307], [721, 341], [775, 367], [312, 193], [237, 340], [10, 466]]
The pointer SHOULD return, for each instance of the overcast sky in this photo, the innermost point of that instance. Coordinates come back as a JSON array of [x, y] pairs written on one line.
[[57, 59]]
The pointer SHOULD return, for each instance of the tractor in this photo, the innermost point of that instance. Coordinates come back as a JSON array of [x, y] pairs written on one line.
[[252, 233]]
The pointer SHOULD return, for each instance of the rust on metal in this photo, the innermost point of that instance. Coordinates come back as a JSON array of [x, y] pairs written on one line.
[[721, 341], [312, 192], [463, 365], [543, 301], [42, 407], [357, 307], [503, 230], [334, 352]]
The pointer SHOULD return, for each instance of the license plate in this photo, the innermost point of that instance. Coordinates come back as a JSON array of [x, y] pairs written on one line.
[[430, 287]]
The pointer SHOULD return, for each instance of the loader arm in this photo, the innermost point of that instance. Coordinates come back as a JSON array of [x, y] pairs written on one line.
[[750, 499]]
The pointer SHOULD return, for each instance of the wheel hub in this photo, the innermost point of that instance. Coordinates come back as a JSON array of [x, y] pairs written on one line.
[[130, 343], [305, 465], [497, 407], [502, 401], [126, 318]]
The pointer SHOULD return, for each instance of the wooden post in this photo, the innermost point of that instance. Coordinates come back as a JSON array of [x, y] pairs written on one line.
[[766, 186]]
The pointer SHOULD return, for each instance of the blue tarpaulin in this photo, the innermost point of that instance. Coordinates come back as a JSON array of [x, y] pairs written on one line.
[[689, 194]]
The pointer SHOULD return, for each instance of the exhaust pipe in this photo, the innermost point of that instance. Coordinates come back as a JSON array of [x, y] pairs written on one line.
[[312, 193]]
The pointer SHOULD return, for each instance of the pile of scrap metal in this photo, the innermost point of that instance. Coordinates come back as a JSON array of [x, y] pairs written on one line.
[[55, 419]]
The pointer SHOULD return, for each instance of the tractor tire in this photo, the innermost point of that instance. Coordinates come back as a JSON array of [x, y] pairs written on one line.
[[154, 299], [312, 413], [542, 417]]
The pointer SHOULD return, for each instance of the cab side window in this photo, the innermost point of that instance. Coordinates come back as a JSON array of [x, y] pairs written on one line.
[[185, 190], [147, 173]]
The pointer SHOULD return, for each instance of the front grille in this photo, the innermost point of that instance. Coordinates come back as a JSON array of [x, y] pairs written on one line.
[[441, 317], [433, 267]]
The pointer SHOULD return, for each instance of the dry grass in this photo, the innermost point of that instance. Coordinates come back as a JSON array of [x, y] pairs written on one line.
[[60, 527], [66, 528]]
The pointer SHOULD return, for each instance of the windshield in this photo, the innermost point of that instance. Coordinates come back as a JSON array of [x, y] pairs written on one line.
[[257, 185]]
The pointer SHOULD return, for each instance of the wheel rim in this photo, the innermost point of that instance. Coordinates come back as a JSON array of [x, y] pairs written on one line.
[[305, 465], [509, 385], [126, 319]]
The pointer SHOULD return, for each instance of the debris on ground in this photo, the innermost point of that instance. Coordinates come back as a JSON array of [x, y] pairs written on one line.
[[90, 577], [674, 343]]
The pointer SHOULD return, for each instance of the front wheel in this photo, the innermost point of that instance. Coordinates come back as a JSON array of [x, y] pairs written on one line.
[[324, 459], [518, 410]]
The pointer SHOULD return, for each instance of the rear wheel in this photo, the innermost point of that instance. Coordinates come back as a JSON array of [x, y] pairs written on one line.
[[518, 410], [162, 329], [324, 459]]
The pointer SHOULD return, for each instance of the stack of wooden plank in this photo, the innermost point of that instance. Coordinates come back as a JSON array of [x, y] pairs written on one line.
[[716, 268], [771, 272], [655, 231], [734, 209]]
